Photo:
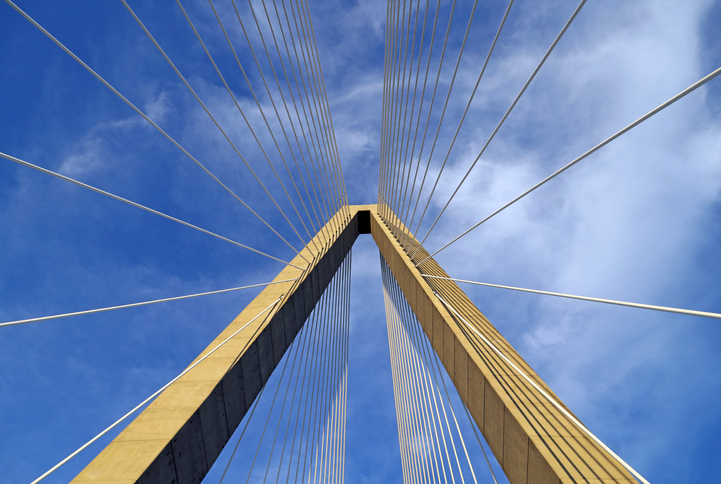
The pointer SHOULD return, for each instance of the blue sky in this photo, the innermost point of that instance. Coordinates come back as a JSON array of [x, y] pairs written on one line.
[[637, 221]]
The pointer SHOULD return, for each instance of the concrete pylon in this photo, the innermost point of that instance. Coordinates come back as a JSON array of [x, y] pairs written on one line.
[[178, 437]]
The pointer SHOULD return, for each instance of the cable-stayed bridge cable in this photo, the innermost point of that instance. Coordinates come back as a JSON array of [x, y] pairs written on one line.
[[418, 118], [318, 121], [137, 205], [687, 312], [135, 305], [144, 116], [290, 117], [430, 109], [320, 182], [445, 104], [270, 97], [387, 64], [399, 123], [322, 145], [404, 216], [295, 109], [210, 115], [503, 119], [600, 145], [262, 113], [329, 122], [416, 374], [465, 112]]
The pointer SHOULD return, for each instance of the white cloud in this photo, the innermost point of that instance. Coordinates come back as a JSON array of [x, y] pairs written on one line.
[[97, 146]]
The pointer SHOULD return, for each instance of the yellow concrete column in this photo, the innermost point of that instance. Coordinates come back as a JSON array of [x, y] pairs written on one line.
[[179, 435], [532, 440]]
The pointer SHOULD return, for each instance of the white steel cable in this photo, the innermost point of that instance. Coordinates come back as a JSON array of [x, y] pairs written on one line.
[[329, 122], [405, 134], [420, 108], [306, 344], [600, 145], [303, 336], [318, 395], [134, 305], [548, 397], [312, 341], [345, 380], [337, 168], [324, 115], [500, 123], [137, 205], [295, 109], [688, 312], [432, 420], [324, 158], [430, 110], [325, 455], [450, 405], [392, 293], [230, 92], [398, 14], [436, 388], [287, 110], [437, 422], [262, 113], [270, 412], [338, 453], [255, 406], [280, 417], [403, 86], [210, 115], [381, 163], [325, 414], [387, 70], [319, 213], [407, 377], [419, 371], [151, 397], [315, 393], [473, 426], [144, 116], [306, 395], [272, 101], [322, 309], [401, 374], [465, 111], [421, 342], [428, 351], [401, 215], [396, 33], [320, 181], [400, 415], [325, 409], [425, 355], [445, 104]]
